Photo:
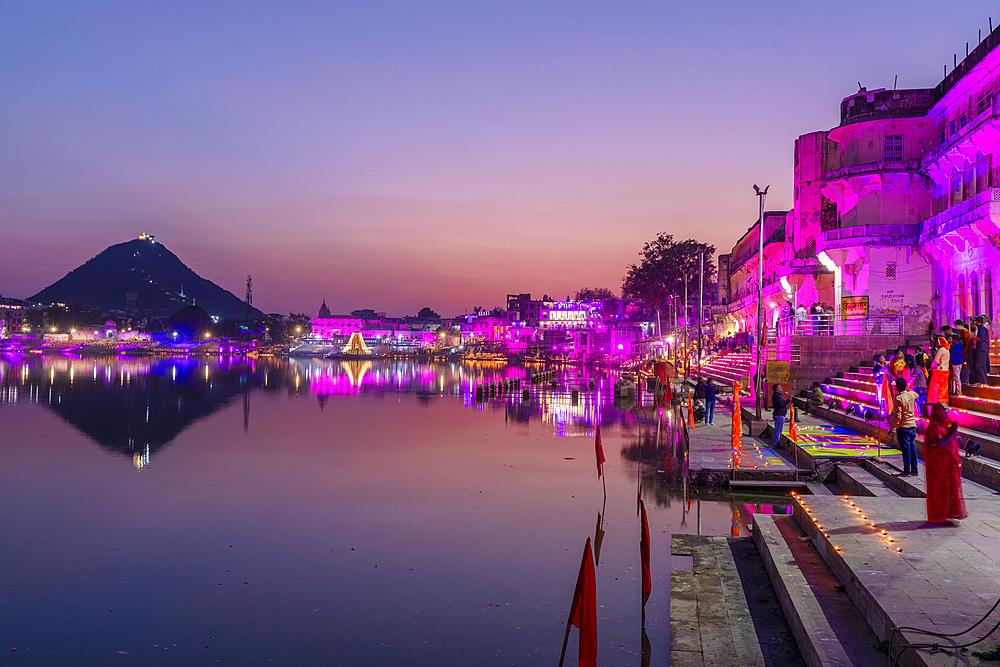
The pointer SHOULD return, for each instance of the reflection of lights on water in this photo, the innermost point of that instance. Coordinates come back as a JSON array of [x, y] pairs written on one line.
[[141, 459]]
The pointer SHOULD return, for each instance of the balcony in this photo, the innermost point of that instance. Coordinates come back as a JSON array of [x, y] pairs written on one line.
[[882, 167], [869, 235], [777, 236], [979, 210]]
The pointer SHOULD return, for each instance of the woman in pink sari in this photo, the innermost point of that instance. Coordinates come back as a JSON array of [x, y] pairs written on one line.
[[944, 468]]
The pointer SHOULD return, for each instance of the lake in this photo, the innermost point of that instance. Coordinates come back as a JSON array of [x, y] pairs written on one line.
[[303, 511]]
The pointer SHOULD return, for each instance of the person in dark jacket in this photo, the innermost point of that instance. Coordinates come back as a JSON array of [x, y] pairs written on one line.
[[981, 360], [710, 392], [779, 409]]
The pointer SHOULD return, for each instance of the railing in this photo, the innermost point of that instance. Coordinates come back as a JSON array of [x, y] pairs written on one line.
[[951, 218], [777, 351], [841, 325], [870, 230], [890, 166]]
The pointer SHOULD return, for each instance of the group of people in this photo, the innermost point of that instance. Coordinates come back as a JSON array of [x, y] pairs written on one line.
[[821, 316], [705, 394], [962, 356]]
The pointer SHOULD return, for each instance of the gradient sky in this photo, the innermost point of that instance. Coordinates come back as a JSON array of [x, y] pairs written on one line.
[[396, 155]]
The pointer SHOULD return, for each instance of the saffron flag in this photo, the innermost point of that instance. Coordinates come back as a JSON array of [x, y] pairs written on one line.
[[647, 583], [691, 415], [737, 433], [583, 611], [887, 396], [792, 432], [668, 392], [599, 449]]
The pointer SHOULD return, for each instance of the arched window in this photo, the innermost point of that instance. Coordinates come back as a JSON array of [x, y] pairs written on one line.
[[961, 301], [974, 308]]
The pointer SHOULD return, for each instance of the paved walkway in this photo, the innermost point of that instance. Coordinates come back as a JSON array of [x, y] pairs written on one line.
[[725, 613], [710, 456], [915, 574]]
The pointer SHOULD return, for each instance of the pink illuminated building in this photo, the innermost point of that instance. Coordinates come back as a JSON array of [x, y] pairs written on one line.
[[896, 218]]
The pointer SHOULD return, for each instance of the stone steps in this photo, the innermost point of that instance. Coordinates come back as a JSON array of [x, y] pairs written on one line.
[[857, 481], [825, 623]]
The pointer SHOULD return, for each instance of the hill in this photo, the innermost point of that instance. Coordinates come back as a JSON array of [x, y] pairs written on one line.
[[146, 268]]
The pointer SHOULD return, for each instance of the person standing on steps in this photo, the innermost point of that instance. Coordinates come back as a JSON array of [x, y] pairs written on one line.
[[710, 392], [904, 420], [957, 364], [779, 409], [944, 468], [981, 360]]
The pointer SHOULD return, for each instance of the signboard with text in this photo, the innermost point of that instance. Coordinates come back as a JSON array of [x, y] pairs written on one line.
[[853, 306]]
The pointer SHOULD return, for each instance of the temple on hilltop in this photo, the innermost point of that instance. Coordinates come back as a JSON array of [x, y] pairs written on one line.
[[894, 229]]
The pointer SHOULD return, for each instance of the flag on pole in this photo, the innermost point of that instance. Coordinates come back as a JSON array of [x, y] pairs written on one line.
[[668, 392], [691, 414], [887, 396], [737, 432], [583, 611], [647, 583], [792, 431], [599, 449], [598, 539]]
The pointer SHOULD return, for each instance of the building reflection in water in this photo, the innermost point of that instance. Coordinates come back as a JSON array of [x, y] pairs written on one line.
[[136, 405]]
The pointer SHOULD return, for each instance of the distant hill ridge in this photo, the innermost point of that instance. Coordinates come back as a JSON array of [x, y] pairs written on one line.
[[149, 270]]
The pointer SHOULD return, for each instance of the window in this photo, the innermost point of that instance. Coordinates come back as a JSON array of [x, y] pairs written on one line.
[[890, 270], [893, 148], [951, 128]]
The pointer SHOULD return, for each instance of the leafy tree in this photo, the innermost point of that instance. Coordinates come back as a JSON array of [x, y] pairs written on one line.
[[191, 322], [428, 314], [665, 268], [594, 294]]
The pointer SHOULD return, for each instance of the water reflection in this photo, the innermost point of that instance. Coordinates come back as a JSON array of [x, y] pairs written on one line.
[[316, 512], [137, 405]]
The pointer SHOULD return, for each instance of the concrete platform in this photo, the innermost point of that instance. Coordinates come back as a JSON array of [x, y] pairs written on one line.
[[916, 574], [724, 612], [825, 623]]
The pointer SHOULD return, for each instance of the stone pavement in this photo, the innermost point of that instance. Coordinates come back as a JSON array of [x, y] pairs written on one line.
[[904, 571], [724, 612], [710, 455]]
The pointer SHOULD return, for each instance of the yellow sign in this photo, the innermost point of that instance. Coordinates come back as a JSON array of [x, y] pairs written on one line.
[[853, 306], [778, 371]]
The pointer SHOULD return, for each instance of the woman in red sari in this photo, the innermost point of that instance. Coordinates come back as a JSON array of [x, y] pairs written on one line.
[[937, 391], [944, 468]]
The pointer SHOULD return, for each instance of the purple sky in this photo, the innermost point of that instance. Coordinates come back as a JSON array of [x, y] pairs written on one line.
[[397, 155]]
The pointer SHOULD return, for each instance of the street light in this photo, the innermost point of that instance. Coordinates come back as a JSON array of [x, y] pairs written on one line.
[[758, 385]]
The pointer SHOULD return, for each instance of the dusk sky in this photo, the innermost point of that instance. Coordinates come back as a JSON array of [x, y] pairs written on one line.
[[443, 154]]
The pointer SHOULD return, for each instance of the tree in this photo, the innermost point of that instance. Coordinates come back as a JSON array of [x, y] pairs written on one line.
[[665, 268], [594, 294], [428, 314], [191, 322]]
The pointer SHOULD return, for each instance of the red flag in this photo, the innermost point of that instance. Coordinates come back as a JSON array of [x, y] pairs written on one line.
[[668, 392], [583, 611], [647, 583], [887, 397], [691, 414], [792, 431], [599, 448]]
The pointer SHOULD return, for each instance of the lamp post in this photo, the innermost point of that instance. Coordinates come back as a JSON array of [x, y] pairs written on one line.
[[701, 303], [759, 384]]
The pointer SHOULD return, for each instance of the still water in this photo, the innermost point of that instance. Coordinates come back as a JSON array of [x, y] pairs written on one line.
[[195, 511]]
